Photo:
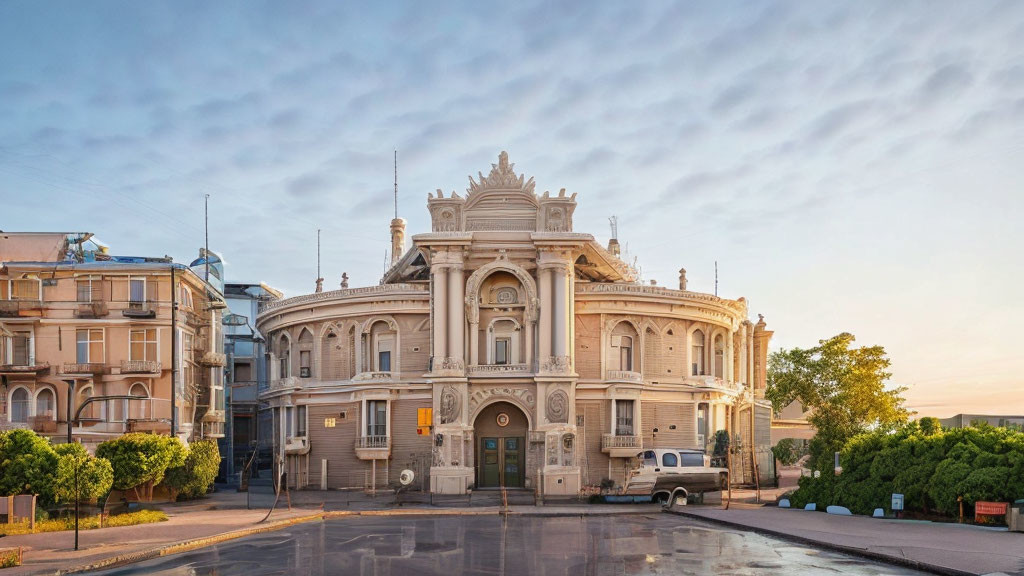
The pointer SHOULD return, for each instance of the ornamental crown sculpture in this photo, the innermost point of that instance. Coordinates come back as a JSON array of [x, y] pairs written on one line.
[[501, 201]]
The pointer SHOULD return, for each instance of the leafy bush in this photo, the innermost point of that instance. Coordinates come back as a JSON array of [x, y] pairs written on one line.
[[95, 477], [785, 452], [140, 460], [27, 462], [194, 477]]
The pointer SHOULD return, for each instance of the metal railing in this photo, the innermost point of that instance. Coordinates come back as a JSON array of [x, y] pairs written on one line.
[[616, 441], [627, 375], [94, 368], [374, 442], [482, 369]]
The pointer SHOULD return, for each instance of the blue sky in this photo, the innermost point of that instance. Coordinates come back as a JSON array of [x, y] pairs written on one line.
[[851, 166]]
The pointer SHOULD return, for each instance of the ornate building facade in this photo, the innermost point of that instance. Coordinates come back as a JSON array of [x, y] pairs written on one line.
[[505, 349]]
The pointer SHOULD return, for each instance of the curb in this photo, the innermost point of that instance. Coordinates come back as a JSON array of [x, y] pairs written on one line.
[[853, 551]]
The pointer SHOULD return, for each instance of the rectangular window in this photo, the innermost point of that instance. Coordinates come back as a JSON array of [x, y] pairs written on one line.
[[25, 289], [384, 361], [21, 348], [137, 290], [143, 344], [501, 350], [626, 358], [376, 418], [89, 346], [624, 418], [300, 421], [84, 290]]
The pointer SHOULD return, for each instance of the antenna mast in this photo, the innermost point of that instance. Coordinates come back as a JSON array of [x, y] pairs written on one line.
[[614, 222], [716, 277], [396, 184], [206, 225], [318, 253]]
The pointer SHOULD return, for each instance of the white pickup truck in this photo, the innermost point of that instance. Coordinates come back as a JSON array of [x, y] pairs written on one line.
[[665, 474]]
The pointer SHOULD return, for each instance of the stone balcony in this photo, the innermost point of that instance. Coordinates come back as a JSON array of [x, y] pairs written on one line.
[[623, 376], [296, 445], [140, 367], [621, 446], [33, 368], [213, 359], [92, 310], [18, 308], [493, 370], [379, 376], [83, 369], [373, 447]]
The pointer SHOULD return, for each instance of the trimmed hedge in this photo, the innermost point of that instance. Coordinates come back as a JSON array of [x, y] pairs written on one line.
[[140, 460], [932, 468]]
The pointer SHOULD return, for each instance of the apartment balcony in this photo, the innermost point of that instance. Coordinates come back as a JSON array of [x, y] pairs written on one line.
[[214, 359], [140, 310], [43, 424], [84, 369], [621, 446], [375, 376], [489, 370], [20, 308], [152, 426], [140, 367], [296, 445], [92, 310], [623, 376], [31, 369], [373, 447]]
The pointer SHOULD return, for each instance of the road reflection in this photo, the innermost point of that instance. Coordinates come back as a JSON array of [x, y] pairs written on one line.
[[472, 545]]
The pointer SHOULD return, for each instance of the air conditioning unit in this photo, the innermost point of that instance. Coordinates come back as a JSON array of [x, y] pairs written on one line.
[[305, 372]]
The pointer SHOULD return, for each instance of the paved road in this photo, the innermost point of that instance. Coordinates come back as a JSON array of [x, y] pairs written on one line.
[[478, 545]]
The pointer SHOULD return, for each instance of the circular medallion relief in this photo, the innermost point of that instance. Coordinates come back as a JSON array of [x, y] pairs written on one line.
[[502, 419]]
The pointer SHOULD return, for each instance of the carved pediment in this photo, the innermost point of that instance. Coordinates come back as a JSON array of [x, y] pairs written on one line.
[[502, 177]]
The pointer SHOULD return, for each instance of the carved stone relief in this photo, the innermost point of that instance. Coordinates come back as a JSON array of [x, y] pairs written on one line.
[[451, 405], [568, 449], [557, 407], [552, 450], [482, 395], [556, 365]]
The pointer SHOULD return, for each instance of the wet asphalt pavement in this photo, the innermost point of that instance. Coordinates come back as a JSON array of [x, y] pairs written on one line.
[[470, 545]]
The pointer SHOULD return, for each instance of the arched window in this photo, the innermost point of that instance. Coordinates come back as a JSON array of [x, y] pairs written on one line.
[[19, 405], [46, 404], [622, 356], [305, 353], [284, 356], [719, 356], [381, 347], [503, 342], [90, 410], [330, 356], [138, 409], [697, 353]]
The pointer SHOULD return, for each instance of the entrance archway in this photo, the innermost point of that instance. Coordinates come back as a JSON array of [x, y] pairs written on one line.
[[500, 431]]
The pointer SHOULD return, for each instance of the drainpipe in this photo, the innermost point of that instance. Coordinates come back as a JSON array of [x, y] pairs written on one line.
[[174, 355]]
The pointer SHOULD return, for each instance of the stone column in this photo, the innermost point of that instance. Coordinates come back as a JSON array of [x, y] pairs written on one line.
[[742, 353], [474, 343], [560, 324], [456, 313], [750, 356], [440, 283], [528, 344], [544, 330]]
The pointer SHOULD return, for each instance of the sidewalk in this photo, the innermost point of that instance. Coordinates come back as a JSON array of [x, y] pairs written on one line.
[[941, 548], [223, 516]]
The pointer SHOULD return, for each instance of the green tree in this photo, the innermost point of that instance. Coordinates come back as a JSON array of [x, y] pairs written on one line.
[[844, 388], [785, 452], [140, 460], [193, 478], [929, 425], [95, 477], [27, 462]]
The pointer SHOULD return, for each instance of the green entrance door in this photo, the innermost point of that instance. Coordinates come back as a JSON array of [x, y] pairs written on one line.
[[502, 462]]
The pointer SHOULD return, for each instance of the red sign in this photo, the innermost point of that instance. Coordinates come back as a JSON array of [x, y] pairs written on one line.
[[989, 509]]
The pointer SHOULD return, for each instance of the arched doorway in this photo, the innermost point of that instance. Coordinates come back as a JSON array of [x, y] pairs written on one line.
[[501, 431]]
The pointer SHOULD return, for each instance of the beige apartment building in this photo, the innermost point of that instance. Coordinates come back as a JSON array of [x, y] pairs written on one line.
[[505, 349], [98, 341]]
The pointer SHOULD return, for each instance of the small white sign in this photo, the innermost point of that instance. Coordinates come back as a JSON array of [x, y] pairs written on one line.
[[897, 502], [329, 422]]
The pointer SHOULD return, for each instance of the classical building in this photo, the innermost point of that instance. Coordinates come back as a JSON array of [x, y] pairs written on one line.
[[505, 349], [97, 340]]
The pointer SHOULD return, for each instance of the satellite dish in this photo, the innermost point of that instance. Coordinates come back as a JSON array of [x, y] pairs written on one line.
[[406, 477]]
